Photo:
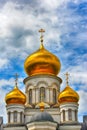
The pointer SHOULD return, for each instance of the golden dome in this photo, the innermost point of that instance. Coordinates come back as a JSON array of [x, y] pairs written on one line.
[[42, 62], [68, 95], [15, 97]]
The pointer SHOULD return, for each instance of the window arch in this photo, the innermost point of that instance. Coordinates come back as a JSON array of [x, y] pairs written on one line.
[[75, 115], [54, 95], [42, 94], [63, 115], [30, 96], [9, 116], [15, 116], [70, 114]]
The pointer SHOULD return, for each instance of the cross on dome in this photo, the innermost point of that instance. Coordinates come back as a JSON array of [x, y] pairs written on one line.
[[41, 37], [16, 78], [67, 78], [42, 105]]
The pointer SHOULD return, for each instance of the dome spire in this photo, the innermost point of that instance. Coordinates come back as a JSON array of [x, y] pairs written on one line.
[[42, 105], [42, 61], [68, 94], [16, 79], [41, 37], [67, 78], [15, 96]]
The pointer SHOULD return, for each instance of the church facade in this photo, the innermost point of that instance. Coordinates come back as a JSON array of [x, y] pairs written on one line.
[[43, 106]]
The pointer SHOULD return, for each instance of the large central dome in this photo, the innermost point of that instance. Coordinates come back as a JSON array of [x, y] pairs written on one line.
[[42, 62]]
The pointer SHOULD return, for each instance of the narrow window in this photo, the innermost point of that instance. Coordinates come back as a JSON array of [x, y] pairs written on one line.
[[9, 116], [70, 114], [21, 114], [15, 116], [30, 96], [54, 95], [75, 115], [42, 94], [63, 115]]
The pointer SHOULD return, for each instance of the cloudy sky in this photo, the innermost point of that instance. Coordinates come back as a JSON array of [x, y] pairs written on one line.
[[65, 23]]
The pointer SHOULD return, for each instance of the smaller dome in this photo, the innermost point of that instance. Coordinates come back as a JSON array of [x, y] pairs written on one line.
[[68, 95], [15, 97], [41, 116]]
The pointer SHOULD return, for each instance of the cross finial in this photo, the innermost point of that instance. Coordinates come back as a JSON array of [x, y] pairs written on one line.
[[41, 37], [42, 105], [67, 78], [16, 78]]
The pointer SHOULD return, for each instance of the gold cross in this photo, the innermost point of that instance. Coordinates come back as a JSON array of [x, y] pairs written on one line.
[[41, 37], [16, 78], [67, 78]]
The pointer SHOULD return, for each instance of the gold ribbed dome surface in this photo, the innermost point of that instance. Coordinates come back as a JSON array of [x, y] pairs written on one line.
[[15, 97], [42, 62], [68, 95]]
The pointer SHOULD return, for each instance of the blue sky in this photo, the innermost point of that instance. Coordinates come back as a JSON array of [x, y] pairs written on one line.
[[65, 23]]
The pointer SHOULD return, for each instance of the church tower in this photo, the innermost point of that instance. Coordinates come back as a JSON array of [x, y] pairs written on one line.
[[43, 106], [68, 100], [42, 83], [15, 101]]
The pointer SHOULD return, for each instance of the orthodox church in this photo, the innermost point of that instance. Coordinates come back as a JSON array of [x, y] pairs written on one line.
[[43, 106]]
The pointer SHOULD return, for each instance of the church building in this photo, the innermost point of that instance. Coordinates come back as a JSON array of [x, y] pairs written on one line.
[[43, 106]]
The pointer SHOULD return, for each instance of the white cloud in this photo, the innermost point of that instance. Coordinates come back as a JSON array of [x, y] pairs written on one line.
[[77, 71], [15, 22], [3, 63], [11, 82], [53, 4], [4, 82], [82, 101], [9, 17], [2, 104]]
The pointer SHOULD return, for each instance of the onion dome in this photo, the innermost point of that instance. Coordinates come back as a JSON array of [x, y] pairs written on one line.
[[68, 94], [42, 61], [15, 97], [41, 116]]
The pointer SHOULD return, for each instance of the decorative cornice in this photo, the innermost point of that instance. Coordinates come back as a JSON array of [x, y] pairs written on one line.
[[42, 75]]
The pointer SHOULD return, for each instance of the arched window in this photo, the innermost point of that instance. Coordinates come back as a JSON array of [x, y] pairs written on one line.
[[54, 95], [63, 115], [9, 116], [70, 114], [21, 116], [30, 96], [42, 94], [15, 116], [75, 115]]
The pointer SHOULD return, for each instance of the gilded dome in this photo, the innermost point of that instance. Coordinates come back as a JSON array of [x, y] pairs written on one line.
[[42, 62], [15, 97], [68, 95]]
